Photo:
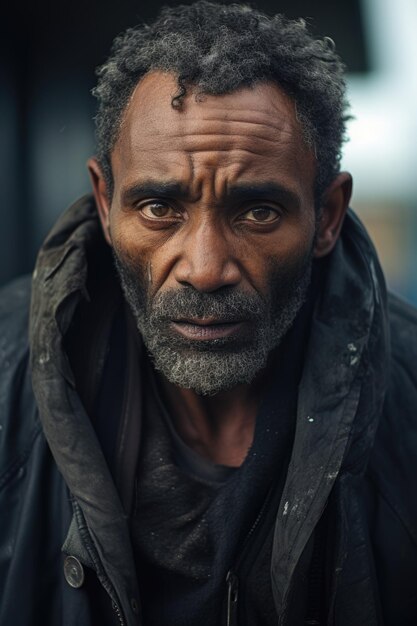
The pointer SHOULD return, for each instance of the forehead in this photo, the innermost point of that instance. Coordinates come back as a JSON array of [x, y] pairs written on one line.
[[250, 133]]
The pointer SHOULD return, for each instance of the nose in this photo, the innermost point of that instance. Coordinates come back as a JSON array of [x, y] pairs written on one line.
[[207, 262]]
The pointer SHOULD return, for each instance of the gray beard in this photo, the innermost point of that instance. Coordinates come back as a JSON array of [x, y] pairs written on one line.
[[211, 366]]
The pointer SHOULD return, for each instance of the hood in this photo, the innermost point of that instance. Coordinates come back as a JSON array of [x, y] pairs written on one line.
[[72, 254], [340, 400]]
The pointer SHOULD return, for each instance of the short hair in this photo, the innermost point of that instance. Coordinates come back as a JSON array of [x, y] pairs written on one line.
[[218, 49]]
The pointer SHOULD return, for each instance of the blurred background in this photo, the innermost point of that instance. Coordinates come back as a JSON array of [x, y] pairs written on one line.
[[48, 54]]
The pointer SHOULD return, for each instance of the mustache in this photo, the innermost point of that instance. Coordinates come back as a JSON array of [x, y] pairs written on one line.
[[228, 304]]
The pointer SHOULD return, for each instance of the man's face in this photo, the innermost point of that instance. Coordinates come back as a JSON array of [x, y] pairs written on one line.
[[212, 226]]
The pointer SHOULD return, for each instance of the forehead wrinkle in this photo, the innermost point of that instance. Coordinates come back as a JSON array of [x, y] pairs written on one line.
[[219, 145], [200, 170], [195, 185], [214, 181], [190, 160], [278, 117], [248, 158], [223, 128], [201, 137], [218, 136], [208, 181], [224, 136]]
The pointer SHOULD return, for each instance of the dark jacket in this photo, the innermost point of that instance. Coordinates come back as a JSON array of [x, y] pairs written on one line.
[[353, 462]]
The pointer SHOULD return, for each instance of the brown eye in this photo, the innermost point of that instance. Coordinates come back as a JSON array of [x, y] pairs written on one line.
[[155, 210], [262, 214]]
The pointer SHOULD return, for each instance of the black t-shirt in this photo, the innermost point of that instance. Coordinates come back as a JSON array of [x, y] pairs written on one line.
[[190, 519]]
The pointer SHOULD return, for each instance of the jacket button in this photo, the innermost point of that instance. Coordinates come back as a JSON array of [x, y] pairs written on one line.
[[73, 572]]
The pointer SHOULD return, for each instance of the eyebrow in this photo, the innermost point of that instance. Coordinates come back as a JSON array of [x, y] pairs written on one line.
[[154, 189], [239, 192], [264, 191]]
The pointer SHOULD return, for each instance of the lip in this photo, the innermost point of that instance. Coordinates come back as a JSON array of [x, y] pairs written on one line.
[[206, 329]]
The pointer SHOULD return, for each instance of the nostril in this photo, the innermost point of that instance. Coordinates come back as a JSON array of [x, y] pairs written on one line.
[[205, 260], [209, 276]]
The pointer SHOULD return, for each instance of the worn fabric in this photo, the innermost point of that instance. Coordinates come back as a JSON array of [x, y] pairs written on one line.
[[187, 532], [352, 462], [187, 524]]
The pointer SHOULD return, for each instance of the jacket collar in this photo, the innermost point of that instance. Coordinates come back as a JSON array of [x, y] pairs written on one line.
[[60, 283], [340, 394]]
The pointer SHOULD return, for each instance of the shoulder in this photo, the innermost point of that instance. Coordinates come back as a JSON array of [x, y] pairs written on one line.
[[403, 324], [19, 424], [391, 484], [393, 463], [401, 399]]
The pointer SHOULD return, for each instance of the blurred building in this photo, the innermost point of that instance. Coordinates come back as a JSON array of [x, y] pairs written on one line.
[[382, 148], [48, 52]]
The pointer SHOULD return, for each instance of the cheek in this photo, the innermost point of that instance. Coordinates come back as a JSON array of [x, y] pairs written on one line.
[[132, 244], [282, 259], [141, 252], [284, 276]]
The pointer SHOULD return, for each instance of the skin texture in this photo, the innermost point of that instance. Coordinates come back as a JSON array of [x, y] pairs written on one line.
[[205, 237]]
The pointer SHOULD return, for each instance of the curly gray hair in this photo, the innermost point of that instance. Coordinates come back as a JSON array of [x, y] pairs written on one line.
[[220, 48]]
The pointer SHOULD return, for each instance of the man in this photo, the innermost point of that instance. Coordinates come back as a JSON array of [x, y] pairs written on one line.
[[222, 429]]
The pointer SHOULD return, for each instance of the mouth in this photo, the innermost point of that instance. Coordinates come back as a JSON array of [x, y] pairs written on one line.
[[206, 329]]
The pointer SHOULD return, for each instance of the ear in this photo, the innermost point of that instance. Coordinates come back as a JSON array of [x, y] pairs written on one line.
[[101, 196], [334, 204]]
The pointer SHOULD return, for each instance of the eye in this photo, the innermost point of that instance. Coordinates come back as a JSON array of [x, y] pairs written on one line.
[[262, 213], [158, 210]]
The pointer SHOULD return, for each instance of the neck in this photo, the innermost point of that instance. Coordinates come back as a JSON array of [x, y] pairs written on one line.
[[220, 427]]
